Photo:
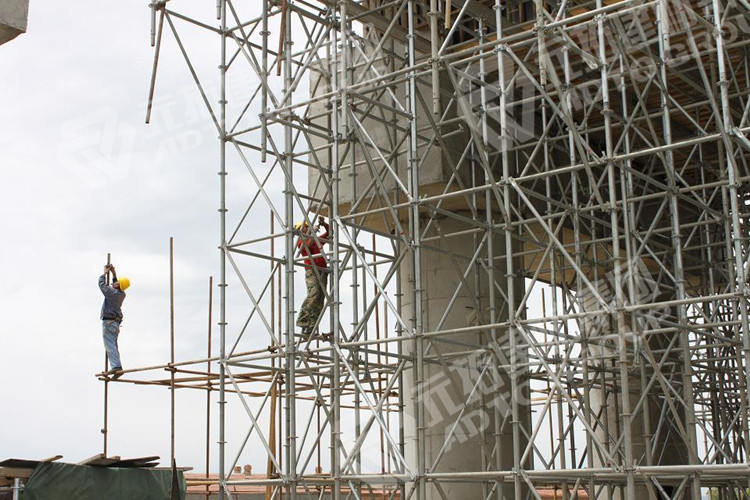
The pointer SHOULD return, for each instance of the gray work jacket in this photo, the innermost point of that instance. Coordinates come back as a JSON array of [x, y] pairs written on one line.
[[113, 299]]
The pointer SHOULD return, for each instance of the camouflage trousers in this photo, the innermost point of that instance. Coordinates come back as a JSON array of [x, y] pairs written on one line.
[[316, 280]]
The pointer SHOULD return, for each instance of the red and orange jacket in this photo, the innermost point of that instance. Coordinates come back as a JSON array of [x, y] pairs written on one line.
[[310, 248]]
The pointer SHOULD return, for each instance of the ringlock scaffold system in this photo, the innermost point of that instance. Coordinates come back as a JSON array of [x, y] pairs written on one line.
[[536, 275]]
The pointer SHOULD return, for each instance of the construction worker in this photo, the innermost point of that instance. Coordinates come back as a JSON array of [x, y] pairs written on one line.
[[316, 273], [111, 316]]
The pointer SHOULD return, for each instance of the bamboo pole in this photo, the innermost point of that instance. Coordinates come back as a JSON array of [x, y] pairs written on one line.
[[208, 383], [271, 439]]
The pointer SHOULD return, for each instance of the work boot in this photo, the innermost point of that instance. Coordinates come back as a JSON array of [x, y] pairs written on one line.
[[306, 331], [117, 373]]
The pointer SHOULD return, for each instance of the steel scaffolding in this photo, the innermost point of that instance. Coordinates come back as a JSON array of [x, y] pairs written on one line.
[[591, 155]]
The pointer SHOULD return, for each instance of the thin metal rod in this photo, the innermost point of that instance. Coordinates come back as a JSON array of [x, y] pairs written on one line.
[[157, 51], [272, 425], [171, 353], [105, 428]]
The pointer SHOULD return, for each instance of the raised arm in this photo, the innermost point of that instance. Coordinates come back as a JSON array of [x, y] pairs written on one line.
[[106, 289], [328, 232]]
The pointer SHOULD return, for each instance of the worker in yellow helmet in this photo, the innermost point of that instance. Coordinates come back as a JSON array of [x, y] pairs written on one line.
[[111, 316]]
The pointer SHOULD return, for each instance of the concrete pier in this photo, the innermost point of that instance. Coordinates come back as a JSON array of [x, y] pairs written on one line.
[[461, 433]]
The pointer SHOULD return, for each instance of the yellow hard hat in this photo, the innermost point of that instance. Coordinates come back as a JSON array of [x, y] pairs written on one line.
[[124, 283], [300, 225]]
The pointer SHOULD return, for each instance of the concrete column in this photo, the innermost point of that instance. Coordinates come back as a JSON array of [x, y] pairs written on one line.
[[453, 365], [453, 362], [655, 438]]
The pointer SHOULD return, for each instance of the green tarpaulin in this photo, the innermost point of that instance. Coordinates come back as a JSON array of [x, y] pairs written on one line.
[[53, 481]]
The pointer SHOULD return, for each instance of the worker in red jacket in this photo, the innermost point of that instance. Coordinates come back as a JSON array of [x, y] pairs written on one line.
[[316, 273]]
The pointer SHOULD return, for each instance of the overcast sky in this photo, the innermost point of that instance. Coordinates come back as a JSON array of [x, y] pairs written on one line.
[[82, 175]]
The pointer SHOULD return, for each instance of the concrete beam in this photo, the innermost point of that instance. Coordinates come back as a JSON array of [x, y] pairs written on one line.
[[13, 18], [381, 23]]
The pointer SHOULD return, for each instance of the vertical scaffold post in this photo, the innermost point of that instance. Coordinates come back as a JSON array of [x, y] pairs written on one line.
[[289, 190], [105, 430], [416, 258], [222, 249], [264, 88], [274, 388], [16, 489], [623, 361], [209, 383], [171, 350], [336, 369]]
